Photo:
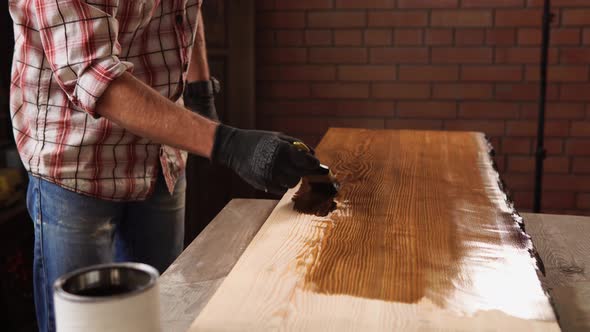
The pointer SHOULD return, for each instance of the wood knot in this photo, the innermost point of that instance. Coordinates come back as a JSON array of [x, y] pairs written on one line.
[[572, 269]]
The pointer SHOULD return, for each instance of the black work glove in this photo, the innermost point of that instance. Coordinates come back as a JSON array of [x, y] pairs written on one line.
[[266, 160], [199, 97]]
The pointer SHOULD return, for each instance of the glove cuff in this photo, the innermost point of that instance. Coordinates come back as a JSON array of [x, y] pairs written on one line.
[[221, 152], [202, 88]]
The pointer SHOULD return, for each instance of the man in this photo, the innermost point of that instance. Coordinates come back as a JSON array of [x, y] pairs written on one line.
[[99, 125]]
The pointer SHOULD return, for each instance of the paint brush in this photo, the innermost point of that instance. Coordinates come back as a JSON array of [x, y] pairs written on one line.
[[321, 180]]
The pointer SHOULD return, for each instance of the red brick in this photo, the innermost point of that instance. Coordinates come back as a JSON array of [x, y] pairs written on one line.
[[554, 164], [559, 73], [284, 90], [416, 124], [565, 36], [307, 73], [377, 37], [303, 4], [461, 18], [518, 181], [559, 3], [575, 17], [564, 111], [340, 90], [398, 18], [516, 145], [366, 108], [365, 4], [289, 37], [469, 36], [429, 110], [400, 90], [578, 55], [297, 126], [529, 128], [583, 201], [521, 164], [338, 55], [407, 37], [367, 73], [524, 55], [523, 200], [462, 91], [581, 129], [488, 110], [554, 146], [427, 4], [280, 20], [348, 37], [428, 73], [529, 36], [558, 200], [331, 19], [581, 165], [525, 92], [438, 37], [492, 3], [500, 163], [518, 17], [282, 55], [488, 127], [357, 123], [461, 55], [318, 37], [562, 36], [491, 73], [501, 36], [563, 182], [575, 92], [396, 55], [346, 108], [586, 36]]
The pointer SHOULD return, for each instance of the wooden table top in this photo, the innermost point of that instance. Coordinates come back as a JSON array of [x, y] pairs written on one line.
[[190, 282]]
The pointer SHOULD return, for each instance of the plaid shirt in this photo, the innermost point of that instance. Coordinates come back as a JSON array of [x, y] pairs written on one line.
[[66, 54]]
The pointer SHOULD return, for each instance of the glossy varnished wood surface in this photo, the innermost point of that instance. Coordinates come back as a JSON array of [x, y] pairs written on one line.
[[422, 237], [567, 278]]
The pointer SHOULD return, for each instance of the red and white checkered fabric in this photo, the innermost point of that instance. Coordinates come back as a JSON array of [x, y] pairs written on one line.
[[66, 54]]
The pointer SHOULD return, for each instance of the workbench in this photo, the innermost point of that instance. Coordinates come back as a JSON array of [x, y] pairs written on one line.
[[563, 243]]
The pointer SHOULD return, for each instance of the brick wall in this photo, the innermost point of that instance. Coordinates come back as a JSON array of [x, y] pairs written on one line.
[[435, 64]]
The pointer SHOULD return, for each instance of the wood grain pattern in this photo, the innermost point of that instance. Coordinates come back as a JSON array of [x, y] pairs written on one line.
[[422, 238], [564, 244], [188, 284]]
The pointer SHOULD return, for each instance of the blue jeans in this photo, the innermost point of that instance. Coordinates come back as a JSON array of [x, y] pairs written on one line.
[[74, 231]]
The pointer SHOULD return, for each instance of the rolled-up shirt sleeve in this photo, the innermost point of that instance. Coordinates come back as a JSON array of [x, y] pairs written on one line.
[[80, 42]]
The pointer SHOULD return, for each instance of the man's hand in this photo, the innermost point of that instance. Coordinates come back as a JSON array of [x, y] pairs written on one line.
[[266, 160]]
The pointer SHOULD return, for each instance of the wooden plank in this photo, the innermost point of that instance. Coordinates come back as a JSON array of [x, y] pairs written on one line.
[[188, 284], [563, 244], [422, 238]]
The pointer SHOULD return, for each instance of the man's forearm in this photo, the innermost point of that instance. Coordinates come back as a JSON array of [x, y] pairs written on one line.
[[198, 69], [136, 107]]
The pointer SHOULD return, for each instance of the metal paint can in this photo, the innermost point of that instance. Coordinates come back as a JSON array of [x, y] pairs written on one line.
[[110, 297]]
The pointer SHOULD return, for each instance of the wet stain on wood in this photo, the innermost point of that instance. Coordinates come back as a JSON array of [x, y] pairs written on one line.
[[421, 216], [314, 202]]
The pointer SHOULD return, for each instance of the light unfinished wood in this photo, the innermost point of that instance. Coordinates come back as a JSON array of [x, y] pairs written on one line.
[[422, 239], [187, 285], [182, 302], [563, 243]]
